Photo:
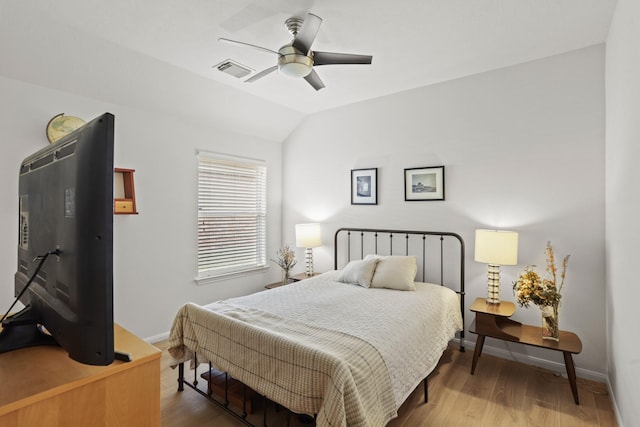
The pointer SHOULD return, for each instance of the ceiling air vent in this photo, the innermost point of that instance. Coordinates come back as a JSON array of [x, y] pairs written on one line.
[[233, 68]]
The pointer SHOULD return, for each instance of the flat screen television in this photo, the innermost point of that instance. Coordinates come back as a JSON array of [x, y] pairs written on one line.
[[65, 223]]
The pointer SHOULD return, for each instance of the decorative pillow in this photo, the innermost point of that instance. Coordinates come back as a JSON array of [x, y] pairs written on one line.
[[358, 272], [394, 272]]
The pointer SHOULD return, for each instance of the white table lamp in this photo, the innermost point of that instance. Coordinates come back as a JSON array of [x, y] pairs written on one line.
[[496, 248], [308, 236]]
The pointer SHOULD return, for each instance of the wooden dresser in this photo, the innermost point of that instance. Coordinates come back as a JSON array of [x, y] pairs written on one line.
[[42, 386]]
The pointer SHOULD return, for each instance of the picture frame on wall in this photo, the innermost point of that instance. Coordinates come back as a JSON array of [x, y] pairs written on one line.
[[364, 186], [424, 184]]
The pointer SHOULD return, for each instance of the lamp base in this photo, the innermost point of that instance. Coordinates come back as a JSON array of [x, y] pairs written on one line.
[[308, 261], [493, 284]]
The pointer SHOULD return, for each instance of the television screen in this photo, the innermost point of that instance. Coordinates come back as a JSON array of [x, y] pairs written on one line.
[[65, 246]]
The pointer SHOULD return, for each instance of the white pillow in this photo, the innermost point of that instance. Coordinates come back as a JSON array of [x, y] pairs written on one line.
[[358, 272], [394, 272]]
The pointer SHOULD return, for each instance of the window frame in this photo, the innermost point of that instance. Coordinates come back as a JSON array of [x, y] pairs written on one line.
[[239, 208]]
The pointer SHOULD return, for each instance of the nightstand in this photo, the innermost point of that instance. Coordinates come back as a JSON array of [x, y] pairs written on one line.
[[492, 320], [292, 279]]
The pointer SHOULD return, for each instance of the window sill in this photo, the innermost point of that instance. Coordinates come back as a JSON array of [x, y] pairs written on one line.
[[207, 280]]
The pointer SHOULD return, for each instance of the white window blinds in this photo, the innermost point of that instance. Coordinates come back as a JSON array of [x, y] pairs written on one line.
[[232, 200]]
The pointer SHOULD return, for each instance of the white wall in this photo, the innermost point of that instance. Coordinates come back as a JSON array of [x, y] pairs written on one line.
[[154, 252], [163, 114], [623, 208], [523, 149], [63, 57]]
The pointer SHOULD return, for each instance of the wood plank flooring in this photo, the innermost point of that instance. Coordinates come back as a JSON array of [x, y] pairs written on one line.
[[501, 393]]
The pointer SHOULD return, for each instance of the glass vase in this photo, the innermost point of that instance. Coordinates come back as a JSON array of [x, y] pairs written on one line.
[[550, 330], [286, 275]]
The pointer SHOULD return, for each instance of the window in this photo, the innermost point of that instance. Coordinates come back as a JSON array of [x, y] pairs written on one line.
[[232, 199]]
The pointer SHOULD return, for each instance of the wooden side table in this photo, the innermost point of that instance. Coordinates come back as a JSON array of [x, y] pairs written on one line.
[[292, 279], [492, 320]]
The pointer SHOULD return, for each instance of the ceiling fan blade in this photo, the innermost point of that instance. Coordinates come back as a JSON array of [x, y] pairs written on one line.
[[261, 74], [222, 39], [310, 27], [314, 80], [331, 58]]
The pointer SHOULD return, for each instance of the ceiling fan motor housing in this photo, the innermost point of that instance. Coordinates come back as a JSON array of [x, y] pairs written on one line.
[[294, 63], [293, 25]]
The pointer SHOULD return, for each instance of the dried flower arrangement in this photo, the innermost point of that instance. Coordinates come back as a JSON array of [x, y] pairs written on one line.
[[286, 258], [543, 292], [531, 288]]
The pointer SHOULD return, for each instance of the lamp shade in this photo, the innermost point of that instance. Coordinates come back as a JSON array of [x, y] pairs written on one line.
[[496, 247], [308, 235]]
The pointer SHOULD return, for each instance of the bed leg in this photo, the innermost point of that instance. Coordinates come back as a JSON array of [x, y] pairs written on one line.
[[195, 369], [209, 389], [226, 389], [426, 391], [181, 377], [264, 419], [244, 400]]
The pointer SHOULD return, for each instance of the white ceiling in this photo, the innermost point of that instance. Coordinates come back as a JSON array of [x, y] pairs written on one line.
[[414, 43]]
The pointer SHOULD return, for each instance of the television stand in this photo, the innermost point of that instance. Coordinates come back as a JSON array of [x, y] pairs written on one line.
[[25, 335], [44, 386], [122, 356]]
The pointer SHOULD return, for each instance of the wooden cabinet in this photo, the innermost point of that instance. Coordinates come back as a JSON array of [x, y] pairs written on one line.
[[42, 386]]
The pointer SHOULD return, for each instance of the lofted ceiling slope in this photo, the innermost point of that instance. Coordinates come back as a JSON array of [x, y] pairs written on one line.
[[174, 43]]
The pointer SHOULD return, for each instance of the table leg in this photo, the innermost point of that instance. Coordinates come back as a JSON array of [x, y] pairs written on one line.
[[571, 373], [477, 352]]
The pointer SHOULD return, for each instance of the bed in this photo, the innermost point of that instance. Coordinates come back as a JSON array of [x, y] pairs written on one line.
[[347, 346]]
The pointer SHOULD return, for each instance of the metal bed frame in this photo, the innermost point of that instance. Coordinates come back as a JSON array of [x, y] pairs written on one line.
[[392, 246], [367, 240]]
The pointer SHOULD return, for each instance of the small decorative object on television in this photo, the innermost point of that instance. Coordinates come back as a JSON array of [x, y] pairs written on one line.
[[61, 125]]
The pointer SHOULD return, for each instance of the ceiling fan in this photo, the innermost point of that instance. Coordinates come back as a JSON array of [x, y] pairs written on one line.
[[296, 59]]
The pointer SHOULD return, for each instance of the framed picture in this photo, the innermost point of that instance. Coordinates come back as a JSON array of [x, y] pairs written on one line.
[[364, 186], [424, 183]]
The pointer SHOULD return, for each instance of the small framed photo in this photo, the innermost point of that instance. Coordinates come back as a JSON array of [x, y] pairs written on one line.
[[364, 186], [424, 183]]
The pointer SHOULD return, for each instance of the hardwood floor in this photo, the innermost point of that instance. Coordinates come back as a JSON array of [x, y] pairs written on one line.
[[501, 393]]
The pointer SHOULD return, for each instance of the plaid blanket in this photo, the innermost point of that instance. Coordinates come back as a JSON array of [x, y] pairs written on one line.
[[307, 369]]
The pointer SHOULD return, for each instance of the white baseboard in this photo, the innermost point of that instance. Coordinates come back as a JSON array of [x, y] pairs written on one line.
[[535, 361], [613, 402], [160, 337], [547, 364]]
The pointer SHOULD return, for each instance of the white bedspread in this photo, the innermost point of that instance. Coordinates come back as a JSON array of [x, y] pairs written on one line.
[[411, 330], [371, 328]]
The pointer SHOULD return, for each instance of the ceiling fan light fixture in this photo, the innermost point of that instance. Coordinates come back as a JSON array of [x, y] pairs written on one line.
[[295, 69], [293, 63]]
